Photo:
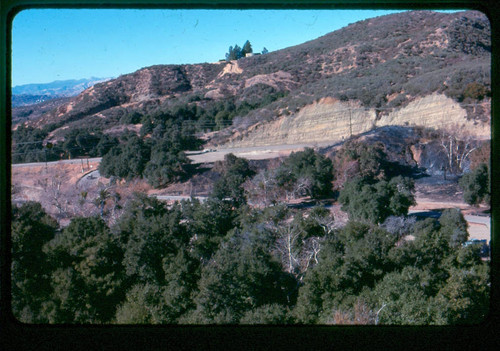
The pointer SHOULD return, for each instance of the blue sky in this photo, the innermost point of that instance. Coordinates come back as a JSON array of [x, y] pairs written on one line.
[[49, 45]]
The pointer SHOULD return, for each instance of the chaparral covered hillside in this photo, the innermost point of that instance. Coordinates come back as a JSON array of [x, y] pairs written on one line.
[[416, 68]]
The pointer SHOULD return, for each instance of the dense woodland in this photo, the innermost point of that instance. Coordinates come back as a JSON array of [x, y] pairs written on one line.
[[225, 261], [243, 256]]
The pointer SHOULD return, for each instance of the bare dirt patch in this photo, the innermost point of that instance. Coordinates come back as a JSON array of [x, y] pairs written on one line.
[[232, 67]]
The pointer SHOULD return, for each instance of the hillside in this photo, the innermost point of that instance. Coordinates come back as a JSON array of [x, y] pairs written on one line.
[[420, 67], [32, 107]]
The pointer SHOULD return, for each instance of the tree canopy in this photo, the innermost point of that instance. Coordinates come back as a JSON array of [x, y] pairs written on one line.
[[307, 173], [376, 201], [237, 52], [476, 185]]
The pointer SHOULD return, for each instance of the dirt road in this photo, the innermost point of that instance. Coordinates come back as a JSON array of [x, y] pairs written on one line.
[[251, 153], [84, 161]]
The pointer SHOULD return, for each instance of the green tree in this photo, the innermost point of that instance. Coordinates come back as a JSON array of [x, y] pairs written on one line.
[[87, 281], [241, 277], [308, 172], [374, 202], [453, 227], [222, 119], [234, 53], [234, 172], [31, 230], [79, 142], [247, 49], [465, 297], [153, 303], [126, 160], [476, 185], [363, 160], [150, 234], [207, 224], [400, 298], [268, 314], [165, 166], [352, 260], [28, 145]]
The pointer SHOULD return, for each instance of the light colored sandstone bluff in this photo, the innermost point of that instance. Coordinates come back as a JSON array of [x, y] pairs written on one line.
[[436, 111], [331, 120]]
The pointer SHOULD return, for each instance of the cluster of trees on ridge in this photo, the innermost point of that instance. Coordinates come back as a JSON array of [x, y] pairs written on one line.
[[223, 261], [235, 52]]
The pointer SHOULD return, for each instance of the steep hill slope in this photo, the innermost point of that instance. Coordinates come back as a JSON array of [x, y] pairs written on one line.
[[381, 71]]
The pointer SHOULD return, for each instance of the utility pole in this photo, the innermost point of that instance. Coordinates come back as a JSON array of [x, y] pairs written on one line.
[[350, 122], [47, 146]]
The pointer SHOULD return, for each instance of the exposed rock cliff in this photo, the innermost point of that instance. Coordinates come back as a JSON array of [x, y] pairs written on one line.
[[330, 120]]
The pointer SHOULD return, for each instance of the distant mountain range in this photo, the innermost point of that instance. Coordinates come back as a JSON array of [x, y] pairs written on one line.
[[28, 94]]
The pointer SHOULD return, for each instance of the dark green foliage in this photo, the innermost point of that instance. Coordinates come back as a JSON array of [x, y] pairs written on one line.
[[476, 185], [353, 259], [400, 298], [453, 227], [158, 155], [132, 117], [363, 160], [165, 167], [309, 172], [31, 230], [157, 261], [464, 299], [234, 171], [241, 277], [126, 160], [208, 223], [150, 233], [29, 146], [233, 53], [84, 142], [430, 279], [374, 202], [88, 275], [247, 48], [236, 52], [155, 303], [213, 263]]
